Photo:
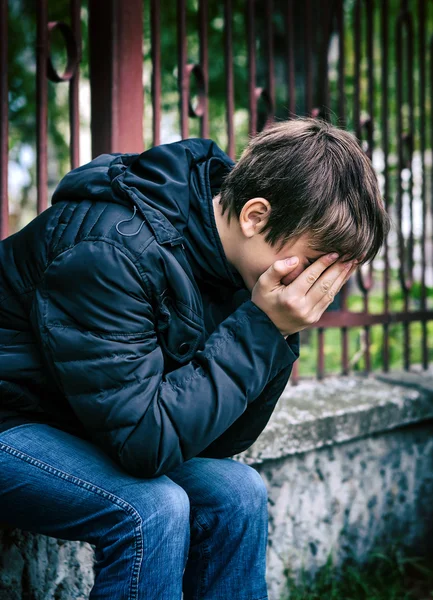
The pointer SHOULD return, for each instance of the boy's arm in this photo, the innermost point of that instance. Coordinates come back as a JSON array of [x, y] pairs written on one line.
[[247, 428], [96, 328]]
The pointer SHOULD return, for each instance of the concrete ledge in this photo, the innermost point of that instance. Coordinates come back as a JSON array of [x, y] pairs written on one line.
[[348, 465], [339, 409], [420, 380], [346, 500], [39, 567]]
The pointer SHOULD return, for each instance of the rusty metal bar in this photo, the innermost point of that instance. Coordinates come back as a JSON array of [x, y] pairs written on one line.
[[339, 17], [270, 84], [430, 56], [290, 58], [260, 93], [344, 351], [341, 64], [322, 110], [422, 113], [72, 39], [116, 75], [294, 378], [155, 32], [308, 58], [367, 355], [361, 319], [203, 34], [4, 130], [357, 73], [187, 70], [182, 70], [369, 124], [320, 353], [230, 94], [101, 57], [385, 147], [74, 101], [251, 41], [41, 104], [344, 335], [405, 141], [128, 64], [364, 125]]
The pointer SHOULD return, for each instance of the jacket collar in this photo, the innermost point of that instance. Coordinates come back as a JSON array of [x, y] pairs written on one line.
[[181, 210], [202, 240]]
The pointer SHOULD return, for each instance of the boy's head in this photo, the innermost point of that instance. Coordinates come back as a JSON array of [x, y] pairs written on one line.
[[301, 187]]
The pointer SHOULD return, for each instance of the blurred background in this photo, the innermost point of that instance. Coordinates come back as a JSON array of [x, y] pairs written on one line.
[[122, 77]]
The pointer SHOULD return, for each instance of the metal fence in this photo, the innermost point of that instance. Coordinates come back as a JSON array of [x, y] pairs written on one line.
[[363, 64]]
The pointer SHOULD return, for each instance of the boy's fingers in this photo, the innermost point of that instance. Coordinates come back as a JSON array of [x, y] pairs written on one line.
[[306, 280], [326, 287], [329, 296], [325, 284], [271, 278]]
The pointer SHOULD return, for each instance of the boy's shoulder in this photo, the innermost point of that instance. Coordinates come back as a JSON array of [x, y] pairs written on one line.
[[92, 220]]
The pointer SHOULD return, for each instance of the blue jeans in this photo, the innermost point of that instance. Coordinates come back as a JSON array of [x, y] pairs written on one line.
[[200, 529]]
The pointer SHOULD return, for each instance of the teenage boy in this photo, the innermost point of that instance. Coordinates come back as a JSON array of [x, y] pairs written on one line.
[[149, 321]]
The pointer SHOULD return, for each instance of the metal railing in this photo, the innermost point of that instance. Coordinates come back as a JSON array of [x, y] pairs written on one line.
[[365, 64]]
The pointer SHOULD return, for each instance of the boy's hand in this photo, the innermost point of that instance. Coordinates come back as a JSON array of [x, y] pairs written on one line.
[[295, 306]]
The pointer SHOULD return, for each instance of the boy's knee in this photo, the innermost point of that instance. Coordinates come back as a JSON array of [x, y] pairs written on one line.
[[170, 504], [243, 490], [254, 490]]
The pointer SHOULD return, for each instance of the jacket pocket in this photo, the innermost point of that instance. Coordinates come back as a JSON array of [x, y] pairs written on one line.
[[179, 335]]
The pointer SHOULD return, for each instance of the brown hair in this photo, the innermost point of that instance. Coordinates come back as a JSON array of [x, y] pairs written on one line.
[[318, 180]]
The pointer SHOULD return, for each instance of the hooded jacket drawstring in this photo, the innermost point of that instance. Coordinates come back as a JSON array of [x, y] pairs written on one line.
[[125, 221]]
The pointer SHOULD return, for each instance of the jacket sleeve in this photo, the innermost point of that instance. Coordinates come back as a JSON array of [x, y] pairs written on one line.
[[96, 328], [247, 428]]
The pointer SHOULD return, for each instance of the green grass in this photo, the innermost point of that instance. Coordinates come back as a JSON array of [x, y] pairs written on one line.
[[390, 576]]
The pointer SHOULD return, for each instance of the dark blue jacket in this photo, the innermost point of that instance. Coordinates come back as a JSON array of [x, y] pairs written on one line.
[[121, 319]]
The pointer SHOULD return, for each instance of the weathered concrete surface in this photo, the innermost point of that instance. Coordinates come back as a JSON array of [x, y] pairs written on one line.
[[348, 462], [37, 567], [343, 499], [328, 497], [421, 380], [311, 414]]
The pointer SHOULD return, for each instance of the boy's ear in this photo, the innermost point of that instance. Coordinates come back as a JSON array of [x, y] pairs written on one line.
[[254, 215]]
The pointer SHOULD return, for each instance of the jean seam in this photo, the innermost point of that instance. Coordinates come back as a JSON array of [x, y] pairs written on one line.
[[128, 508], [206, 558], [204, 526], [204, 549]]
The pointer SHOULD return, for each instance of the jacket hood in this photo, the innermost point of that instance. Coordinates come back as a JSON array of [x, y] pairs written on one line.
[[172, 185]]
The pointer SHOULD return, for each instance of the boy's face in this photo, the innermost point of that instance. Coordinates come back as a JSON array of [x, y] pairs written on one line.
[[260, 256], [245, 245], [254, 256]]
